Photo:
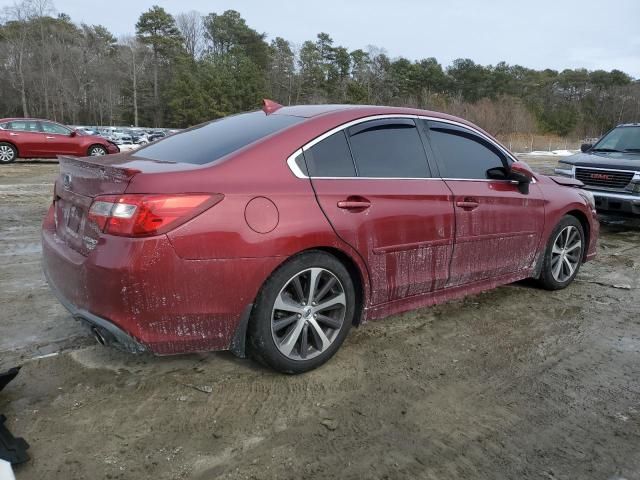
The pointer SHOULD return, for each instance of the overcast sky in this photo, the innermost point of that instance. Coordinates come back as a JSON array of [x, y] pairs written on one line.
[[556, 34]]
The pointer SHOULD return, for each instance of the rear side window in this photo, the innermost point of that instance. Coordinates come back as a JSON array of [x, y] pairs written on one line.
[[388, 149], [211, 141], [463, 154], [24, 126], [330, 157]]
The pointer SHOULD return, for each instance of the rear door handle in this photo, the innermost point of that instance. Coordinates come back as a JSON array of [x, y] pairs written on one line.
[[468, 204], [354, 204], [14, 134], [49, 137]]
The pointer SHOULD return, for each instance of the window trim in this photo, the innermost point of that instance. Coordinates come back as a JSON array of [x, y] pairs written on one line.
[[300, 174], [466, 133]]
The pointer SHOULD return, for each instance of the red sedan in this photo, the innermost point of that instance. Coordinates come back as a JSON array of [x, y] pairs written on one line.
[[273, 232], [34, 138]]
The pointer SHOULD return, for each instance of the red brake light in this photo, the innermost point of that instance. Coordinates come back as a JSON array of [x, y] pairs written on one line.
[[144, 215]]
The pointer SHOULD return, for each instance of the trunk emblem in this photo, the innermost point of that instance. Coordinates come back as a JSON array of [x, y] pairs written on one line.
[[66, 181]]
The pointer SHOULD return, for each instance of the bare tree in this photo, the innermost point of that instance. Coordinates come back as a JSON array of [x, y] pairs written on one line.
[[192, 29], [136, 56]]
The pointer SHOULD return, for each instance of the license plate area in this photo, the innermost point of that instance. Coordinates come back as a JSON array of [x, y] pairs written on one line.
[[73, 219]]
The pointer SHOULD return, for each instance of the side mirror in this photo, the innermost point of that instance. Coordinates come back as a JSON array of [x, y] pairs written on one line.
[[521, 174], [585, 147], [73, 133]]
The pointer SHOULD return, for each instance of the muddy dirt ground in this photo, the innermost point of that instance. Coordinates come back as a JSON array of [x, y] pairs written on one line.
[[514, 383]]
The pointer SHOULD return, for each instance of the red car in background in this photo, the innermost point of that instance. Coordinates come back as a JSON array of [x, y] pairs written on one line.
[[273, 232], [35, 138]]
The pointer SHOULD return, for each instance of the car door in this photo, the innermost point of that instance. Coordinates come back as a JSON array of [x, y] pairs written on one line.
[[27, 136], [373, 182], [59, 140], [497, 226]]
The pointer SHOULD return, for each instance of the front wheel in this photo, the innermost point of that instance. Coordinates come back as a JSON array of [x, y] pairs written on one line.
[[302, 314], [97, 151], [563, 255], [8, 153]]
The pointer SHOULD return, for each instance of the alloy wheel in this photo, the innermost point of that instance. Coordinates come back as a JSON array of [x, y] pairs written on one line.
[[308, 314], [97, 152], [7, 153], [566, 253]]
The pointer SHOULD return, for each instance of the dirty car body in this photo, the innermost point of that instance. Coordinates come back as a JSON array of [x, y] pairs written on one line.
[[397, 201]]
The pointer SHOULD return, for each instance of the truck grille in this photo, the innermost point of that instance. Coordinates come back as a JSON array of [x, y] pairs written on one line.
[[604, 178]]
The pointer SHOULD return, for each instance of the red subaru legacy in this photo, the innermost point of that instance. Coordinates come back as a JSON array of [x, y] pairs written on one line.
[[33, 138], [271, 233]]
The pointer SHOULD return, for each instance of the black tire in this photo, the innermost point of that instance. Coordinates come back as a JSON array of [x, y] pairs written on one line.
[[91, 151], [547, 278], [261, 336], [8, 153]]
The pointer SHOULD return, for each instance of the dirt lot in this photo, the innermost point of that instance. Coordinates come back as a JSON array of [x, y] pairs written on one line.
[[514, 383]]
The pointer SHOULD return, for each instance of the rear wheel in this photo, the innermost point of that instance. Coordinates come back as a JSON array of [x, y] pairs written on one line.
[[563, 255], [97, 151], [8, 153], [302, 314]]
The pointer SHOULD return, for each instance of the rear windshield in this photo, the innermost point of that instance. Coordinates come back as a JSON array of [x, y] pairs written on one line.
[[211, 141]]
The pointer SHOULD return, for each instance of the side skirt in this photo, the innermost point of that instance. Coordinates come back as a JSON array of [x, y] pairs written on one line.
[[441, 296]]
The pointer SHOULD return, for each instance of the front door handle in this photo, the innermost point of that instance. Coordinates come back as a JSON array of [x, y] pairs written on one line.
[[50, 137], [354, 203], [468, 203], [14, 134]]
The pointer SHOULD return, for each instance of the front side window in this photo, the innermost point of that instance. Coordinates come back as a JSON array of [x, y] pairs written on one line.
[[330, 157], [465, 155], [54, 128], [24, 126], [389, 148]]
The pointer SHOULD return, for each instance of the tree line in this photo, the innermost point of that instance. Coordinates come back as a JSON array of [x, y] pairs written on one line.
[[180, 70]]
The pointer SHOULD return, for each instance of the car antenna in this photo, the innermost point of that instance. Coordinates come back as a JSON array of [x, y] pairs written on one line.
[[269, 106]]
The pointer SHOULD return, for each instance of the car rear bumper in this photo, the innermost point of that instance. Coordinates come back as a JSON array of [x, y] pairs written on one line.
[[148, 298], [617, 202]]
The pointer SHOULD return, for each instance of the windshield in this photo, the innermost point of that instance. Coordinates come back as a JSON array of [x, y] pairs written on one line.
[[620, 139], [211, 141]]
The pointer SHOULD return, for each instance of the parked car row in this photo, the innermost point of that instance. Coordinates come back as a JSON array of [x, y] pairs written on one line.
[[39, 138]]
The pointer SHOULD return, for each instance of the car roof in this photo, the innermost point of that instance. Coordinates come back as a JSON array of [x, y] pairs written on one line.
[[13, 119], [345, 113], [629, 125], [308, 111]]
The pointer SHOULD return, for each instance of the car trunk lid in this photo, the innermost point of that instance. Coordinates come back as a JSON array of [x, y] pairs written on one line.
[[79, 182]]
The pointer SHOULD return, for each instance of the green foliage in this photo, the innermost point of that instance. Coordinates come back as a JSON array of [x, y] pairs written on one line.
[[81, 74], [157, 29]]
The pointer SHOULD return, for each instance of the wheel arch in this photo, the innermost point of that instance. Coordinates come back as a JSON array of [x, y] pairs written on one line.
[[241, 334], [582, 218]]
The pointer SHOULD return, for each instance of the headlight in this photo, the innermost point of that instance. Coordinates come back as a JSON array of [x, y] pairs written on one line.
[[565, 169], [588, 196], [634, 186]]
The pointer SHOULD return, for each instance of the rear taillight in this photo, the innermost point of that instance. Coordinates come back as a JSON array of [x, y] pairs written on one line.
[[143, 215]]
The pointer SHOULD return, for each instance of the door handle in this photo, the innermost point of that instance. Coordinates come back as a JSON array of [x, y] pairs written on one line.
[[14, 134], [357, 203], [49, 137], [468, 204]]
